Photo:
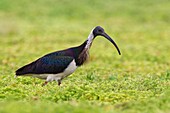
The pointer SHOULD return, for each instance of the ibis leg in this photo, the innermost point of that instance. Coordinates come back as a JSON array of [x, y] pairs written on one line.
[[59, 82], [45, 83]]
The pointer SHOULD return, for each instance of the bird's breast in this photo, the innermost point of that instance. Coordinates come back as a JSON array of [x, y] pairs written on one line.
[[83, 57], [70, 68]]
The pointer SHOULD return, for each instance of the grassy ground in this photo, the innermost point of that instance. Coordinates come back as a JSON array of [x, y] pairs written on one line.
[[137, 81]]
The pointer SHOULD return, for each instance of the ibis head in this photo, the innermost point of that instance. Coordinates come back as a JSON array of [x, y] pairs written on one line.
[[99, 31]]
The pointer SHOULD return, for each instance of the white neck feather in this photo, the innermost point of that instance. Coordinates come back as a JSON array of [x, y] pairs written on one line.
[[90, 39]]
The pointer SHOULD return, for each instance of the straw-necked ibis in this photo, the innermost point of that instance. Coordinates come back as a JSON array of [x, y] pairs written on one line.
[[58, 65]]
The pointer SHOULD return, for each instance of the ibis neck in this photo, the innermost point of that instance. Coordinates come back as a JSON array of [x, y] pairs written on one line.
[[82, 51], [89, 40]]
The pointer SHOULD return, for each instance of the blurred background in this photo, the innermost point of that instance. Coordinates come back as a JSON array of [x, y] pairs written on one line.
[[141, 28]]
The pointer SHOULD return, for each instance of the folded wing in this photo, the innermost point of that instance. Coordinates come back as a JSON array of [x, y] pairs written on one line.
[[50, 64]]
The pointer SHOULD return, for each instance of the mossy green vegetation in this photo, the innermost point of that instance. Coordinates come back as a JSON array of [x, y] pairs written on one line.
[[136, 82]]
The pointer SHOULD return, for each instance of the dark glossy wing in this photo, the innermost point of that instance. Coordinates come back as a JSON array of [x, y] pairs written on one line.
[[49, 64]]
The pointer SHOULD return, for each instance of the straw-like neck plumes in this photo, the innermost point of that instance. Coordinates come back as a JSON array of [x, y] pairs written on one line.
[[89, 40], [85, 51]]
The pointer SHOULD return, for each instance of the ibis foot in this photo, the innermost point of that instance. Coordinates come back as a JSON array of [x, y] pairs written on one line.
[[59, 82], [45, 83]]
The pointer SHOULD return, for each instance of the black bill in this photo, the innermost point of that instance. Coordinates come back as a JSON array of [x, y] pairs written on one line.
[[108, 37]]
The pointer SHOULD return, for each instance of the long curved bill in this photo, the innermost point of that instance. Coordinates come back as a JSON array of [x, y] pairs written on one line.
[[108, 37]]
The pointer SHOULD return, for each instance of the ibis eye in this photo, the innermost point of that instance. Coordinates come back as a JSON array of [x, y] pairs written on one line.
[[100, 30]]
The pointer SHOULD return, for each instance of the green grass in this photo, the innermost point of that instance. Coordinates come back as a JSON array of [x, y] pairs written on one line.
[[138, 81]]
